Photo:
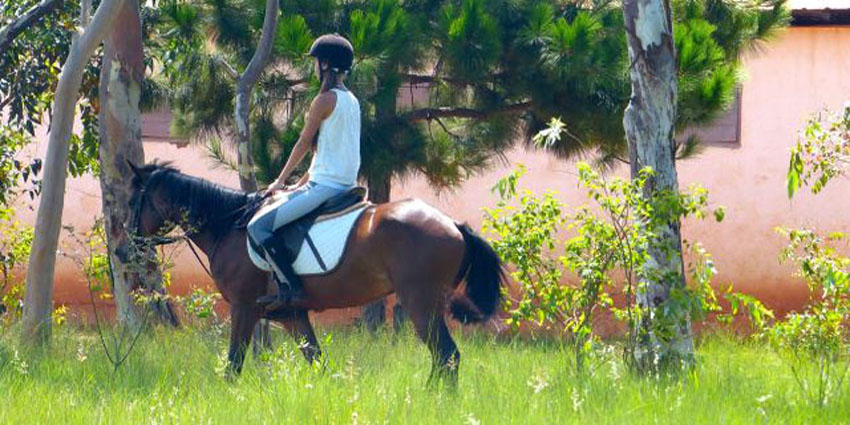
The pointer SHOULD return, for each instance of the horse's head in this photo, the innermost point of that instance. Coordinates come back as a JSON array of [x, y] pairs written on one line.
[[150, 212]]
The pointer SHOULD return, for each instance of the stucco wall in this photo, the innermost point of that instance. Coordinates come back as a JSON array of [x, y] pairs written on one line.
[[800, 73]]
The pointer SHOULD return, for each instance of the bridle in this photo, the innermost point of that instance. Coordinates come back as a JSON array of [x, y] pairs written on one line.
[[159, 240], [137, 217]]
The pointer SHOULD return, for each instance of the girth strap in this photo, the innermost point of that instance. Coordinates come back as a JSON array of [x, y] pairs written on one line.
[[316, 252]]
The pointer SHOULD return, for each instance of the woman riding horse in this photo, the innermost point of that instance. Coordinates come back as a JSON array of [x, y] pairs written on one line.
[[408, 248], [335, 114]]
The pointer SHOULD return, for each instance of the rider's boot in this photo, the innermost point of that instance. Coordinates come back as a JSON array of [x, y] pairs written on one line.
[[290, 291]]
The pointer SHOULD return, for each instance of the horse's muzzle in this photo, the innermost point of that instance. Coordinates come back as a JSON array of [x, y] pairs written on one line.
[[123, 252]]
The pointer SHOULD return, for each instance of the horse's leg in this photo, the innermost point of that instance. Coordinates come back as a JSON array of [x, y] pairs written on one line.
[[444, 353], [425, 304], [243, 317], [302, 331]]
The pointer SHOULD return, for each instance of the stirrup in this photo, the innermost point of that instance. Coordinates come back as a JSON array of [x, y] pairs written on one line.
[[286, 295]]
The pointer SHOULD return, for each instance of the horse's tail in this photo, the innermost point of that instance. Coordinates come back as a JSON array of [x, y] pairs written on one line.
[[484, 274]]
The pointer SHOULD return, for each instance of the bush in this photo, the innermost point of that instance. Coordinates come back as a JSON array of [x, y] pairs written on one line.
[[606, 253], [15, 241], [821, 332], [821, 152]]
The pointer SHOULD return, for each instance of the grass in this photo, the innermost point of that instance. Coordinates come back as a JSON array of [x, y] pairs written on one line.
[[177, 377]]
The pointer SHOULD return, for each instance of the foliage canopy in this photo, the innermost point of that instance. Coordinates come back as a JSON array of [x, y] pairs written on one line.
[[446, 86]]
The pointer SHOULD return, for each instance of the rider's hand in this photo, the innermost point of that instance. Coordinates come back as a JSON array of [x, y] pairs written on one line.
[[274, 187]]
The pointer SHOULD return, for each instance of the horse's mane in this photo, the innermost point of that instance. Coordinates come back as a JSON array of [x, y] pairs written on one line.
[[205, 202]]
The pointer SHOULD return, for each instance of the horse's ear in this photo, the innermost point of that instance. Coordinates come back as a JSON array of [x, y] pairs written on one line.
[[136, 171]]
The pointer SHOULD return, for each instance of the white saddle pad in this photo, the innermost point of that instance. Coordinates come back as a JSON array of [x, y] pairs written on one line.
[[329, 236]]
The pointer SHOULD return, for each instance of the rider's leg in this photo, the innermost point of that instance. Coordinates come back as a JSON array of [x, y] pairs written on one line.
[[263, 225]]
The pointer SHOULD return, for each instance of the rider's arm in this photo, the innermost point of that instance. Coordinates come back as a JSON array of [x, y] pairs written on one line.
[[321, 108], [303, 180]]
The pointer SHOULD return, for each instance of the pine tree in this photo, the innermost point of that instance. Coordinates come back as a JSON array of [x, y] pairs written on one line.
[[495, 72]]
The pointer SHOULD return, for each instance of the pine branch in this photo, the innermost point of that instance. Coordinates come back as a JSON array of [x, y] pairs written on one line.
[[477, 114], [215, 152], [25, 21], [298, 81], [418, 78], [232, 73], [428, 79], [6, 102]]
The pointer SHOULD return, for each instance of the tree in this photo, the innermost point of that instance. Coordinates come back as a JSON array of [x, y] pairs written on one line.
[[244, 87], [649, 122], [186, 22], [659, 105], [241, 115], [121, 83], [39, 288], [28, 69], [26, 20]]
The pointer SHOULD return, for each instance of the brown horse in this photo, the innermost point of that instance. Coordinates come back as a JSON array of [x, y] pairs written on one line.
[[407, 248]]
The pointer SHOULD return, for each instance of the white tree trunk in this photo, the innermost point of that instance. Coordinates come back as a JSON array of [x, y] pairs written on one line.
[[244, 88], [649, 122], [38, 301], [121, 79]]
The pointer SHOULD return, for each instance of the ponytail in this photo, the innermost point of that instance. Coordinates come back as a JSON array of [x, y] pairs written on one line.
[[331, 74]]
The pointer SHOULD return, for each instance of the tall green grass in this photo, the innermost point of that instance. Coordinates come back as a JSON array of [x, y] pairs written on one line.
[[177, 377]]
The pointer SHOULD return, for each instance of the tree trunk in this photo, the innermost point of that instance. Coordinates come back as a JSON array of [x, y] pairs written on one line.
[[121, 78], [649, 125], [374, 314], [38, 301], [244, 88], [242, 114]]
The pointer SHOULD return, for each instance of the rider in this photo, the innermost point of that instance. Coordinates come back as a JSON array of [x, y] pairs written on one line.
[[335, 115]]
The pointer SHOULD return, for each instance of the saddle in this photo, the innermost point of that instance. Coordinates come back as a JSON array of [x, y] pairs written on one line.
[[292, 236]]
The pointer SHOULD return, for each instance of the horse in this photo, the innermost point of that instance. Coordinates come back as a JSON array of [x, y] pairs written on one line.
[[407, 247]]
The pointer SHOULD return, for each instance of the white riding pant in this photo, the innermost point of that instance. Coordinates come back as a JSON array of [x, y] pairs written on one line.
[[289, 208]]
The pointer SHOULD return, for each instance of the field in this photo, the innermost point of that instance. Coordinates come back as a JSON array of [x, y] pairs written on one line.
[[177, 377]]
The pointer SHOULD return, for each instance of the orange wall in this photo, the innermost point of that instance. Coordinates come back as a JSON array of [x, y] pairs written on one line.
[[797, 75], [791, 78]]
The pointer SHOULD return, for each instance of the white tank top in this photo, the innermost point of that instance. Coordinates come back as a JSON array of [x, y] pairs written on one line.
[[337, 157]]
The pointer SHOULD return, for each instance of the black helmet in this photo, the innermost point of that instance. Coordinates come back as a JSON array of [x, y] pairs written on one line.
[[334, 49]]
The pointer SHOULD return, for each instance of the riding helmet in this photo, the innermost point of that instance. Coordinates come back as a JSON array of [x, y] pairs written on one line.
[[334, 49]]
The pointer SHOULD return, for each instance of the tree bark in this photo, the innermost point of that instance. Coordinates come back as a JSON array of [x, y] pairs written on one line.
[[38, 301], [244, 88], [374, 314], [242, 114], [649, 123], [121, 78], [25, 21]]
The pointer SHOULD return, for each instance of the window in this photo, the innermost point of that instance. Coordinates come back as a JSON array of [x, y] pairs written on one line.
[[156, 127], [725, 131]]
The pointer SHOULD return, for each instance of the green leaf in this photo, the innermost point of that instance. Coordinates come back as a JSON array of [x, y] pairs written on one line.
[[719, 214]]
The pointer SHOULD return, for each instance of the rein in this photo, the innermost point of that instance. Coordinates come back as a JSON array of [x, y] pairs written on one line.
[[167, 240]]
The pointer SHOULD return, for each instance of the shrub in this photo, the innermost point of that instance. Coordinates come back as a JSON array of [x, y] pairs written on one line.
[[822, 151], [821, 332], [200, 305], [15, 241], [606, 252]]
